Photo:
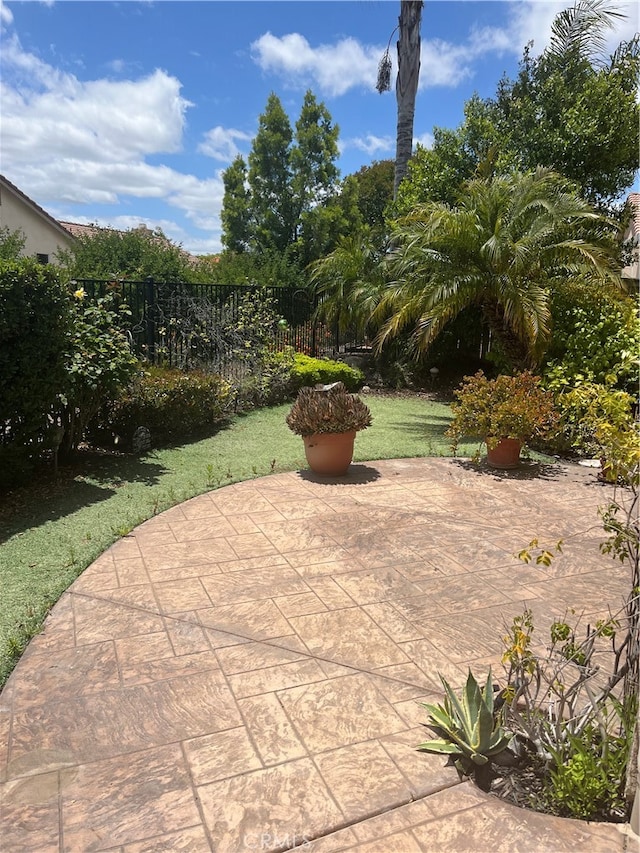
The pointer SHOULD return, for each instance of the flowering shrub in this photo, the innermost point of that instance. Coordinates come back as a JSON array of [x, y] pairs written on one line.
[[98, 362], [505, 407]]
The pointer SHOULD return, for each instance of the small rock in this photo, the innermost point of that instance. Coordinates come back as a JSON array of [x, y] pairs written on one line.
[[141, 440]]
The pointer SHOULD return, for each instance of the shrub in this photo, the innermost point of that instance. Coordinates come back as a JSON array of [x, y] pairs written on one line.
[[98, 362], [596, 338], [170, 403], [35, 322], [323, 371], [584, 410], [506, 407], [587, 780]]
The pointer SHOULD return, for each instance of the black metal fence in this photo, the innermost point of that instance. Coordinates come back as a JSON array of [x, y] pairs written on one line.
[[183, 324], [180, 324]]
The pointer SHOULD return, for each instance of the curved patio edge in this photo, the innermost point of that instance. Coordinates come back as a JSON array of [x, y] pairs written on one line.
[[245, 671]]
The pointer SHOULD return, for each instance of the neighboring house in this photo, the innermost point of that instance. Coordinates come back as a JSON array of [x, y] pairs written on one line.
[[631, 238], [44, 235]]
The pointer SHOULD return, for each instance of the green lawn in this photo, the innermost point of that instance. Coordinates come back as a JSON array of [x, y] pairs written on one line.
[[50, 533]]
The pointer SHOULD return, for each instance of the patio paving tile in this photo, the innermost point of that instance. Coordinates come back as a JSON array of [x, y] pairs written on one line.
[[349, 637], [221, 755], [289, 802], [149, 794], [192, 840], [339, 712], [273, 734], [248, 668]]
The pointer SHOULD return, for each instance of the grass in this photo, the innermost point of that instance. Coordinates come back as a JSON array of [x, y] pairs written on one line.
[[50, 532]]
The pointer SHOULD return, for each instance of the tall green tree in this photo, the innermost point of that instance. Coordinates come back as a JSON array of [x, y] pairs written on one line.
[[499, 249], [323, 225], [236, 212], [575, 110], [313, 156], [375, 191], [270, 180]]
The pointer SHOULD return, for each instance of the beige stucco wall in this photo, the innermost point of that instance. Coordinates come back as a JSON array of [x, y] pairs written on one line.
[[42, 236]]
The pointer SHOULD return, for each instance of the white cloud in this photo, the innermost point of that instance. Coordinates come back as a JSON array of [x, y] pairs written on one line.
[[220, 143], [87, 142], [371, 144], [425, 139], [334, 69], [6, 16]]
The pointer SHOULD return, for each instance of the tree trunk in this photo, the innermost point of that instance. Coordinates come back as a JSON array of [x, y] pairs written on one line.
[[407, 83], [514, 350]]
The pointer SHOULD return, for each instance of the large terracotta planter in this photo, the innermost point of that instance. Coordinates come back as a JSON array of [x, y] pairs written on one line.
[[506, 453], [329, 453]]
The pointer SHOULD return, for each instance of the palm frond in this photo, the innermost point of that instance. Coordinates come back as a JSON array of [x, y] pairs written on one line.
[[582, 29]]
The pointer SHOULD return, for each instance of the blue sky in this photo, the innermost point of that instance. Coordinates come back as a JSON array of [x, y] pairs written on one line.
[[127, 113]]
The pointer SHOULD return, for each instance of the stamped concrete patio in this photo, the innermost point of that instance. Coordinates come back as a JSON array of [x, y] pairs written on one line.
[[244, 671]]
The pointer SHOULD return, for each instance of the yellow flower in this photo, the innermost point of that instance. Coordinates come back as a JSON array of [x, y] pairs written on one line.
[[79, 294]]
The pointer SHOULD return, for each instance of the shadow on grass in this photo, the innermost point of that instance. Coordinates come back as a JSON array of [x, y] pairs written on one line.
[[427, 425], [48, 498]]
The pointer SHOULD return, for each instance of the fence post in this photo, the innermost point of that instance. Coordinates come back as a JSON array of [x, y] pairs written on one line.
[[150, 315]]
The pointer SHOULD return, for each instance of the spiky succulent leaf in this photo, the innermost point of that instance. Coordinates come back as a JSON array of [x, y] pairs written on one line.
[[442, 746], [467, 723]]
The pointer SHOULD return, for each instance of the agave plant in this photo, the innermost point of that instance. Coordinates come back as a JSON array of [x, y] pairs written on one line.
[[467, 724]]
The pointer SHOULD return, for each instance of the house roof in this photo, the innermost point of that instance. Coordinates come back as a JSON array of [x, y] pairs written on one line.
[[80, 230], [6, 183]]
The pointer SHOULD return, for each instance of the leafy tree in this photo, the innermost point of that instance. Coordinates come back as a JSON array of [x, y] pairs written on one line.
[[570, 110], [236, 212], [11, 243], [270, 180], [500, 249], [574, 111], [133, 254], [290, 201], [313, 156], [323, 225], [375, 191], [267, 269], [475, 149]]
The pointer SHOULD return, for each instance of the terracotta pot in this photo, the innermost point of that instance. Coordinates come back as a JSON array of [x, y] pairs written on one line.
[[506, 453], [329, 453]]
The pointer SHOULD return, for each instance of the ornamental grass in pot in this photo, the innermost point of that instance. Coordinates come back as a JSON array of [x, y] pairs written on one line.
[[505, 413], [328, 417]]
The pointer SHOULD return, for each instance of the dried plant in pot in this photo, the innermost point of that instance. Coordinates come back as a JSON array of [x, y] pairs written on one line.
[[328, 417], [505, 413]]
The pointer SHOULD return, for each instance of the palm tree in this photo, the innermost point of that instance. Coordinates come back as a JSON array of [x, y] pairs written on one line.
[[348, 282], [407, 83], [500, 249]]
